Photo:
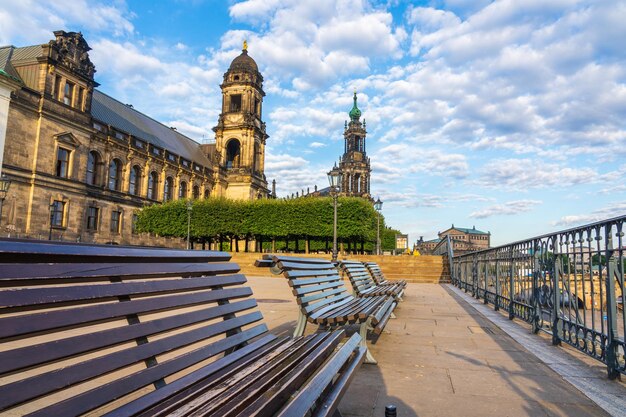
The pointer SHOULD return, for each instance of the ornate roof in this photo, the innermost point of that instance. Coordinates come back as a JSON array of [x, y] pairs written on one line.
[[355, 113], [243, 61]]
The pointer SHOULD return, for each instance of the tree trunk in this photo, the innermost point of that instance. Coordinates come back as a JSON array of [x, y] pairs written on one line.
[[273, 245], [307, 245]]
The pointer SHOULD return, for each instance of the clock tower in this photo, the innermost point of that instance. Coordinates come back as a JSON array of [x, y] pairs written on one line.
[[240, 134]]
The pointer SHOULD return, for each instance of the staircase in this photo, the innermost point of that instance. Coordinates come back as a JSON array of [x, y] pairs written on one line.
[[415, 269]]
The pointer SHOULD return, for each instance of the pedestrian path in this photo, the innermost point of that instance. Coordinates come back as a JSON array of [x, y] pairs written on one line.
[[441, 357]]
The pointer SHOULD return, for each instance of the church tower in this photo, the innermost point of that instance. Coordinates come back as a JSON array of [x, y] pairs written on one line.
[[240, 132], [354, 164]]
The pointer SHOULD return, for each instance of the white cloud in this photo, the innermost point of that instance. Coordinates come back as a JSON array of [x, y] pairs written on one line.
[[506, 209], [524, 174], [610, 211], [317, 145], [29, 21]]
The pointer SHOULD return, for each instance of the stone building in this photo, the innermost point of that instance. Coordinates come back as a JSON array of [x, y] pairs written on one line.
[[463, 240], [81, 163], [354, 164]]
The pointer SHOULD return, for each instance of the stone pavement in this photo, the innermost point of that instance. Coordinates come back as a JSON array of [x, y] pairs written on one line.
[[441, 357]]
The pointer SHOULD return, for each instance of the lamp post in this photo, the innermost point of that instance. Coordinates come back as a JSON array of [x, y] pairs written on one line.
[[5, 183], [334, 178], [378, 205], [52, 209], [189, 210]]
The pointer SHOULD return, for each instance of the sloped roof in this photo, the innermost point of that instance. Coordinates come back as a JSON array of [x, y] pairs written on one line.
[[27, 52], [117, 114], [6, 54], [470, 231]]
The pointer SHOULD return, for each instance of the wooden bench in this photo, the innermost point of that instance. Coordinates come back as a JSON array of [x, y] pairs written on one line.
[[363, 283], [324, 299], [148, 332], [379, 277]]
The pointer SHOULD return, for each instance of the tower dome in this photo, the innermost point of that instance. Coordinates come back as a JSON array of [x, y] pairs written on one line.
[[243, 61], [355, 113]]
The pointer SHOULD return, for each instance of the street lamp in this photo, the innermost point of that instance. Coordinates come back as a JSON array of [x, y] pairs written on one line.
[[189, 210], [5, 183], [334, 178], [52, 210], [378, 205]]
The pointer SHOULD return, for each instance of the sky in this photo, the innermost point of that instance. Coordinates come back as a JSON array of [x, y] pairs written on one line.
[[505, 115]]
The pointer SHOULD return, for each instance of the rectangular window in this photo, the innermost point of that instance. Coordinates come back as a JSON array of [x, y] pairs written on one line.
[[134, 223], [57, 213], [68, 93], [235, 102], [116, 217], [79, 98], [57, 87], [92, 218], [63, 163]]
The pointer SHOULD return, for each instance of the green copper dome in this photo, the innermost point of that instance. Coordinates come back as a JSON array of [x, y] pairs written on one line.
[[355, 113]]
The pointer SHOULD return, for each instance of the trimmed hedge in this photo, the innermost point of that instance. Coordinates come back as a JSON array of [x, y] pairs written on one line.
[[220, 219]]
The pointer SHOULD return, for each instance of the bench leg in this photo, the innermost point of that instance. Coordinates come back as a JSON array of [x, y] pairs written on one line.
[[363, 333], [392, 316], [300, 326]]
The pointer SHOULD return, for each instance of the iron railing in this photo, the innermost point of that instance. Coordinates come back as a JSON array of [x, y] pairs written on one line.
[[569, 284]]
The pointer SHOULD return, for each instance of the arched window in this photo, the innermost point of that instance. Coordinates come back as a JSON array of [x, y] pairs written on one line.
[[115, 174], [233, 152], [196, 192], [135, 180], [357, 183], [153, 180], [182, 190], [167, 189], [207, 193], [93, 163]]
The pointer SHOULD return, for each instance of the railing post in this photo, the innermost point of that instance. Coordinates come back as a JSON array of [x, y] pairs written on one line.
[[556, 300], [496, 307], [612, 362], [485, 279], [534, 301], [511, 288], [474, 276]]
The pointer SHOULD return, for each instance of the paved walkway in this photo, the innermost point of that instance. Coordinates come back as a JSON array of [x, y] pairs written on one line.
[[441, 357]]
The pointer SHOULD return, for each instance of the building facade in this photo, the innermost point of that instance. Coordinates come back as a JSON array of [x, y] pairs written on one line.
[[82, 163], [463, 240]]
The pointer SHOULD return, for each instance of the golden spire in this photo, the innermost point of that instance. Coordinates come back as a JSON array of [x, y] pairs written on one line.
[[245, 45]]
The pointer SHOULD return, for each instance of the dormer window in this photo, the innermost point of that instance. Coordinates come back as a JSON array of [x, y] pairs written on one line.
[[235, 102]]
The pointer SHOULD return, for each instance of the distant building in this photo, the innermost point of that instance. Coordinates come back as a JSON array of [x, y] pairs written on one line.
[[463, 240], [81, 162]]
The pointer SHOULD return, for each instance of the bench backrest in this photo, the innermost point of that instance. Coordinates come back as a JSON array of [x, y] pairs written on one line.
[[359, 276], [82, 326], [376, 272], [315, 282]]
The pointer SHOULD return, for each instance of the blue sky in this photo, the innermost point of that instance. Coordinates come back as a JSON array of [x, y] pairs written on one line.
[[506, 115]]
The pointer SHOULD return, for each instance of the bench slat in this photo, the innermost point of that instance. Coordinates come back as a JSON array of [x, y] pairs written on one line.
[[35, 272], [51, 295], [16, 250], [37, 322]]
